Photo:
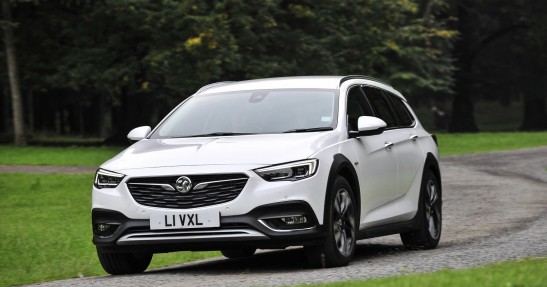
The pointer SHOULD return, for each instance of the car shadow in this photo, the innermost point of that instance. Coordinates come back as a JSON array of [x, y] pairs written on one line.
[[275, 261]]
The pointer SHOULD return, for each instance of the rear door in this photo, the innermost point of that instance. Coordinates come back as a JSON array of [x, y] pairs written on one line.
[[406, 145], [401, 135]]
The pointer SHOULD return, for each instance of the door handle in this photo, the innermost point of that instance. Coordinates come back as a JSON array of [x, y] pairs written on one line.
[[413, 137], [388, 145]]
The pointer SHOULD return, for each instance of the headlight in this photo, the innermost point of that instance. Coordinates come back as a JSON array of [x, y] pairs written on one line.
[[289, 171], [105, 178]]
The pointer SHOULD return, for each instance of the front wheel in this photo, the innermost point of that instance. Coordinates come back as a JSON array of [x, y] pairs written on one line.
[[339, 246], [124, 263], [428, 233]]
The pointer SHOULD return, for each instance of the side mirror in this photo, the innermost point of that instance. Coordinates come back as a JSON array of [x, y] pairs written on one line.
[[139, 133], [368, 126]]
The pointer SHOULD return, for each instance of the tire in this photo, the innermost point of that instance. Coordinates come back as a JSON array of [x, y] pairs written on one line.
[[339, 245], [238, 253], [124, 263], [428, 233]]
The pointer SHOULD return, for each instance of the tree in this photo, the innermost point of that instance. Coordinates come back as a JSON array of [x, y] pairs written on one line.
[[526, 45], [11, 61], [501, 56], [463, 117], [139, 58]]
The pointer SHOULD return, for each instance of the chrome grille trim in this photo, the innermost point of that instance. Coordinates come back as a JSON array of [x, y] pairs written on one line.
[[164, 186], [203, 185], [182, 236]]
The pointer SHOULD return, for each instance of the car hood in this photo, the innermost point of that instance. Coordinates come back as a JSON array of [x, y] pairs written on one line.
[[264, 149]]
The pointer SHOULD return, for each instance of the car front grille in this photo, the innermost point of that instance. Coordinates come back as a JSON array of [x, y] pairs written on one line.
[[207, 190]]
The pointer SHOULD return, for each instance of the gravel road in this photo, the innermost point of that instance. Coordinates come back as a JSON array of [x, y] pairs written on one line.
[[46, 169], [495, 209]]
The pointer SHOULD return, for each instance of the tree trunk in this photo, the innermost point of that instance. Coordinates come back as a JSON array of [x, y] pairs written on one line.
[[425, 8], [6, 118], [535, 115], [30, 112], [16, 100], [463, 117], [121, 118], [105, 115]]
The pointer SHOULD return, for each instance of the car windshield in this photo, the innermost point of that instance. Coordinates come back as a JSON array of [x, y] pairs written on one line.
[[252, 112]]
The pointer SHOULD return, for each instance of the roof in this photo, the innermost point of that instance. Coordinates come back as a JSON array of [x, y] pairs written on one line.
[[317, 82], [300, 82]]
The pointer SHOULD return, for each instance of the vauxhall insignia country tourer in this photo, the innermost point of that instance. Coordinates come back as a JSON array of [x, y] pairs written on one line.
[[318, 162]]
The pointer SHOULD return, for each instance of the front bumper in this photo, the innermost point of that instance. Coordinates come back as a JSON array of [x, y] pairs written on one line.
[[247, 230]]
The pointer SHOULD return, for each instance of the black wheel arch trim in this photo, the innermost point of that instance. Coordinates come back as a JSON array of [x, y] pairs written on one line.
[[342, 166], [432, 164]]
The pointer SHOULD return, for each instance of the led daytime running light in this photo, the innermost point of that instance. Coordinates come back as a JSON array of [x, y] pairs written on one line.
[[107, 179], [289, 171]]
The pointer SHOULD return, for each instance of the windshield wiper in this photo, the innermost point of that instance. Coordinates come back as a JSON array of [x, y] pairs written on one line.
[[219, 134], [320, 129]]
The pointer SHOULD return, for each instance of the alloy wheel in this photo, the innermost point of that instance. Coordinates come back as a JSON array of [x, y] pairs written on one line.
[[433, 209], [344, 222]]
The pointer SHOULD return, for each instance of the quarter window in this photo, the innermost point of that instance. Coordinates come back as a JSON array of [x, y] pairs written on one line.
[[401, 110]]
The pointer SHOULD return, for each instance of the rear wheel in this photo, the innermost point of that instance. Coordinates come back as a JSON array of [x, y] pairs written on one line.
[[124, 263], [238, 253], [339, 246], [428, 233]]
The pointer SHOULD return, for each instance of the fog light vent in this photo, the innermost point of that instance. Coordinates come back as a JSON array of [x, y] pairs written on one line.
[[104, 229], [292, 220]]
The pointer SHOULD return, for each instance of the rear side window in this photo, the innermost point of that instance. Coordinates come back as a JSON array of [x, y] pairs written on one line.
[[381, 106], [405, 117]]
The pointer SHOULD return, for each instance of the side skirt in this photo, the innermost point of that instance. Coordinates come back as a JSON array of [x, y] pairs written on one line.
[[389, 229]]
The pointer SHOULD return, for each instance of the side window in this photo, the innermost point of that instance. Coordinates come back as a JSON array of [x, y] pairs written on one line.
[[357, 107], [401, 110], [381, 106]]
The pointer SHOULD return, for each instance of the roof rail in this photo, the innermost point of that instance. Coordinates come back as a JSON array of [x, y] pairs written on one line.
[[351, 77], [213, 85]]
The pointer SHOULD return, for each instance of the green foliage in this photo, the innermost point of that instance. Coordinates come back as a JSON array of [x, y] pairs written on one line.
[[525, 272], [168, 49], [117, 64], [46, 230], [509, 48]]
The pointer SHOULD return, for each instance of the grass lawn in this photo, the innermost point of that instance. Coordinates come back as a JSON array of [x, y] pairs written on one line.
[[74, 156], [528, 272], [46, 235], [45, 230], [451, 144]]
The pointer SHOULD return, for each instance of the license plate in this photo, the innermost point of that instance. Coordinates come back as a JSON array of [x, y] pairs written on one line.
[[184, 220]]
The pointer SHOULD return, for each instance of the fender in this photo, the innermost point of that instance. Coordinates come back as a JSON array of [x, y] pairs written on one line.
[[341, 165]]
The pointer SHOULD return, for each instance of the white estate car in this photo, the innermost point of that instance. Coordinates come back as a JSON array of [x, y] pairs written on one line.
[[319, 162]]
